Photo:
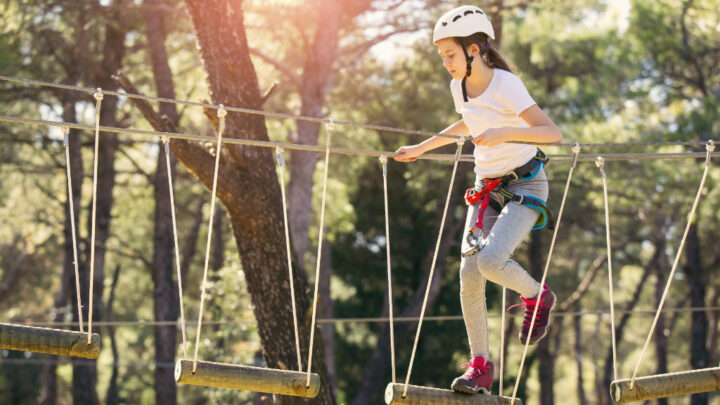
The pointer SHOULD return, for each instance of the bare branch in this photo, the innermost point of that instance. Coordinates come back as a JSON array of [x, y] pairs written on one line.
[[278, 65], [363, 47], [136, 165]]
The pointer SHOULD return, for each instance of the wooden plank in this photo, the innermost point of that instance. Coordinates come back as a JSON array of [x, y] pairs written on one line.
[[666, 385], [417, 395], [50, 341], [247, 378]]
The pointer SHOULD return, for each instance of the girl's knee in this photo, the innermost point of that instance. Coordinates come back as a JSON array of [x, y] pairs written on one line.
[[490, 263], [469, 268]]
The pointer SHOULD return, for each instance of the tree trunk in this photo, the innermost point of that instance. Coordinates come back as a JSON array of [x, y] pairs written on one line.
[[69, 115], [165, 291], [546, 362], [113, 391], [249, 188], [577, 322], [67, 285], [217, 260], [315, 84], [85, 372], [325, 310], [699, 326], [661, 272]]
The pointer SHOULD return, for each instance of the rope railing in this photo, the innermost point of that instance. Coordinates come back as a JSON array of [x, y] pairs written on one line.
[[438, 318], [320, 120], [589, 157]]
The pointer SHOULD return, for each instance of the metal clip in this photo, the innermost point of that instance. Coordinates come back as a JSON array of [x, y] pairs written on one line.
[[280, 153], [475, 244], [65, 131]]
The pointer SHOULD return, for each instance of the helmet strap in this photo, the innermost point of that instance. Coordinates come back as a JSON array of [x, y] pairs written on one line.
[[468, 71]]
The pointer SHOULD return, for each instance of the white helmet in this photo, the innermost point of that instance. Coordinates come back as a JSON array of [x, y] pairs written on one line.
[[463, 22]]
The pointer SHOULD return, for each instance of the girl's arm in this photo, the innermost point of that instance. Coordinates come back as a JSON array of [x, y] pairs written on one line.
[[411, 152], [542, 130]]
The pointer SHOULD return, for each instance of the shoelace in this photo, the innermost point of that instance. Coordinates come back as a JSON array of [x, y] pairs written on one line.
[[476, 371], [529, 309]]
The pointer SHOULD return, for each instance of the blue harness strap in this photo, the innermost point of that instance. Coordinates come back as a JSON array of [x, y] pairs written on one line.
[[546, 217]]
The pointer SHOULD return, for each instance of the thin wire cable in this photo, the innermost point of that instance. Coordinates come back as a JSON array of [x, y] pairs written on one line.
[[228, 108], [601, 165], [329, 127], [166, 144], [460, 143], [383, 161], [66, 144], [502, 340], [221, 113], [280, 155], [709, 148], [320, 120], [590, 157], [98, 95], [576, 152]]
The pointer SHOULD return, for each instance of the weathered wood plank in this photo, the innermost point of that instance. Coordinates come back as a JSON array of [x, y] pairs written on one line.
[[417, 395], [50, 341], [247, 378], [666, 385]]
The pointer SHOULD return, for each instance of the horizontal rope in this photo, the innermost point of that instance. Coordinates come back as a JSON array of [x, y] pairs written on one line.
[[371, 319], [591, 157], [48, 360], [318, 120]]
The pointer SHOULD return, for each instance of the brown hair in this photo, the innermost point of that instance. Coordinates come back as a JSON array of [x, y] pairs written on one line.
[[490, 55]]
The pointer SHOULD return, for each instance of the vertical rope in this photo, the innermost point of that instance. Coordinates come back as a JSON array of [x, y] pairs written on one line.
[[329, 127], [601, 165], [98, 95], [221, 113], [576, 151], [710, 147], [280, 154], [460, 142], [166, 144], [502, 340], [66, 144], [383, 161]]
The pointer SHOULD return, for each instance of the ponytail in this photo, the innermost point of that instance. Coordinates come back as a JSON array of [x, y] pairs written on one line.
[[490, 55]]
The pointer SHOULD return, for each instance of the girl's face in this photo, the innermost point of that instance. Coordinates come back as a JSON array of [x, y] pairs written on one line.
[[453, 57]]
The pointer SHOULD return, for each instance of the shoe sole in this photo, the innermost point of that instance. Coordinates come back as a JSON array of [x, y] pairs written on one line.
[[547, 329], [459, 387]]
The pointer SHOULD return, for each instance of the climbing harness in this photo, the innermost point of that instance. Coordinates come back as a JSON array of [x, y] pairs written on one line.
[[524, 172]]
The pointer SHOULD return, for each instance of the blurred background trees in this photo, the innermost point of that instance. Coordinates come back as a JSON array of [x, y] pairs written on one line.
[[614, 71]]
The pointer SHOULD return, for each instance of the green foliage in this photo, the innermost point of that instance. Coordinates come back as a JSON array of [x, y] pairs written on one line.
[[602, 72]]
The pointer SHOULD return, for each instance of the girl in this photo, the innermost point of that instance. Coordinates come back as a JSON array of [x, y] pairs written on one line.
[[510, 188]]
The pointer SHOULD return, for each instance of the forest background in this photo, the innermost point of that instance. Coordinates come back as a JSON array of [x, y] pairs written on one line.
[[604, 71]]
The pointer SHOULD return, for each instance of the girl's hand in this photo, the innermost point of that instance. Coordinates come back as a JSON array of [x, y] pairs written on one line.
[[491, 137], [407, 153]]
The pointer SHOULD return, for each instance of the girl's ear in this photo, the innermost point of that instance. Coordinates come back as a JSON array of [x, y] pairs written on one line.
[[473, 49]]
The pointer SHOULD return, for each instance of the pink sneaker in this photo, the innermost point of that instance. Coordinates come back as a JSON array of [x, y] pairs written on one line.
[[478, 377], [546, 304]]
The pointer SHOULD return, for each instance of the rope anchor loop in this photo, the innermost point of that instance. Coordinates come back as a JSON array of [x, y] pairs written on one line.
[[576, 148], [330, 125]]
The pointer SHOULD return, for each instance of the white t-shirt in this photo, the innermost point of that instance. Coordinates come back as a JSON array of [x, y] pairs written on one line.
[[498, 106]]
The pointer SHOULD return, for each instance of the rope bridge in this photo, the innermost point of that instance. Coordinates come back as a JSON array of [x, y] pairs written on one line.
[[307, 384]]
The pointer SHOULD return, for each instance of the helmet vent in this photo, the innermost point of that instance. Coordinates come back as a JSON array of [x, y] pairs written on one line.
[[457, 18], [468, 12]]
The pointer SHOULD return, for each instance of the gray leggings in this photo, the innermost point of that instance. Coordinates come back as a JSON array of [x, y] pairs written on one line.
[[502, 233]]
